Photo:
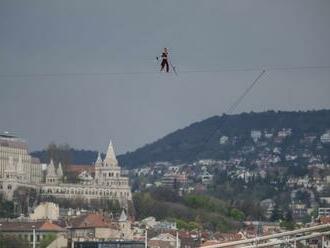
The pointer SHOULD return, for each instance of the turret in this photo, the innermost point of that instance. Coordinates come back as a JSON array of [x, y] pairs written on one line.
[[110, 158], [108, 169], [59, 172], [51, 176], [98, 162]]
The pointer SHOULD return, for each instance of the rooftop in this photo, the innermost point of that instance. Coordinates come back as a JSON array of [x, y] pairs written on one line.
[[28, 226], [9, 140]]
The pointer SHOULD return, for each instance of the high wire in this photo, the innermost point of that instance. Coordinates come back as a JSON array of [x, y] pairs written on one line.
[[233, 107], [85, 74]]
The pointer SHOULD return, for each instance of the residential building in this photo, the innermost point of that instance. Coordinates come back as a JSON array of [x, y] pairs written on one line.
[[174, 180], [325, 138], [323, 212], [256, 135], [164, 240], [46, 210], [34, 231]]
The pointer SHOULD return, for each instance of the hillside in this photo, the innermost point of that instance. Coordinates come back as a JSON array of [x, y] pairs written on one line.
[[201, 139]]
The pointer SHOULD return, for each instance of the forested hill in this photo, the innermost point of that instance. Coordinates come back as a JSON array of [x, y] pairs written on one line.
[[201, 139]]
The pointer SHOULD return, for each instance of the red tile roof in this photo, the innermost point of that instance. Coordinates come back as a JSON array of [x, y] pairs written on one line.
[[325, 219], [77, 169], [49, 226], [91, 221], [29, 226]]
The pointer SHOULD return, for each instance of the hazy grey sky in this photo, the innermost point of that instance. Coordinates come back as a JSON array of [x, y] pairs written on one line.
[[83, 36]]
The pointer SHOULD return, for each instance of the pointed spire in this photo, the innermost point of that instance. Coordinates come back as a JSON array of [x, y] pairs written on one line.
[[98, 161], [51, 169], [110, 158], [59, 170], [123, 216]]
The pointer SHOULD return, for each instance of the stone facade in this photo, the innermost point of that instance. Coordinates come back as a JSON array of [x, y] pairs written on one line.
[[95, 226], [19, 169], [46, 210], [14, 156], [106, 184]]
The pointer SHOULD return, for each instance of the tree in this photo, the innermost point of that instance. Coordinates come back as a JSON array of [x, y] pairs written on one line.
[[277, 214], [24, 198], [49, 238], [61, 154], [288, 221], [6, 208], [12, 241]]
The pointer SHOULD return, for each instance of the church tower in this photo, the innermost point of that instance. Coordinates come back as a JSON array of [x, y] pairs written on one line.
[[59, 172], [125, 226], [108, 169]]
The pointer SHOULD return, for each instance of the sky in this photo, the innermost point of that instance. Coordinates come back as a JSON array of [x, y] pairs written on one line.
[[83, 72]]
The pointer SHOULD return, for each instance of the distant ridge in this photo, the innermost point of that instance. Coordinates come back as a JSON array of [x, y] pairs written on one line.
[[201, 139], [78, 157]]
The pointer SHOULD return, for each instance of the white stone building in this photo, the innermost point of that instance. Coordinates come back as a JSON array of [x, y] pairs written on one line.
[[108, 183], [14, 156], [256, 135], [46, 210], [325, 138], [223, 140], [18, 169]]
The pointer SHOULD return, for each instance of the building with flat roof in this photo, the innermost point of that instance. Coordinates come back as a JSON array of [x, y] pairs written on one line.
[[14, 157]]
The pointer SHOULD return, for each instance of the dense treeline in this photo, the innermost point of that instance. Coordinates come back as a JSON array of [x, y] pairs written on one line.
[[64, 151], [190, 211]]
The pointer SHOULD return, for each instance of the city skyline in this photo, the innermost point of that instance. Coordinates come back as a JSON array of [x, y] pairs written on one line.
[[68, 78]]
